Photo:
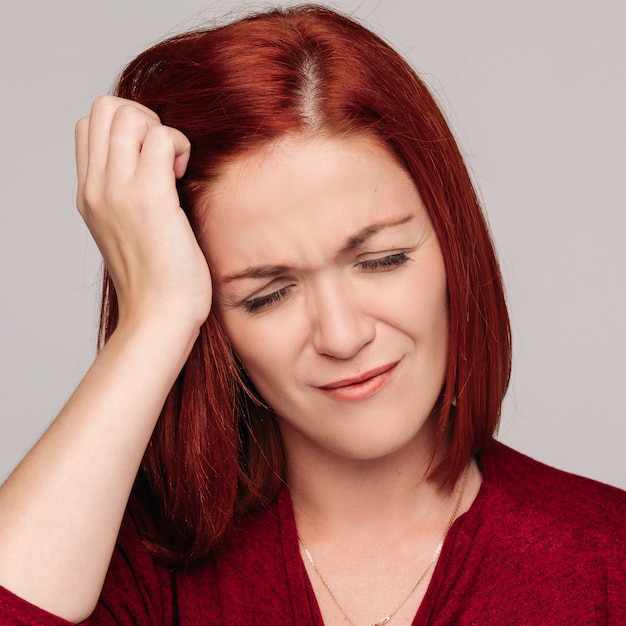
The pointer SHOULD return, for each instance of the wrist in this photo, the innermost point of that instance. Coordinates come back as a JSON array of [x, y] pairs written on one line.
[[162, 337]]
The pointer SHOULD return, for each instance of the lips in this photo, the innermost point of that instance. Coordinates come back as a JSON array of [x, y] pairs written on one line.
[[361, 386]]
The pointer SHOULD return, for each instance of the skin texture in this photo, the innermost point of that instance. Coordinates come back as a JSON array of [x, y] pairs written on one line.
[[66, 498], [364, 301], [356, 293], [329, 279]]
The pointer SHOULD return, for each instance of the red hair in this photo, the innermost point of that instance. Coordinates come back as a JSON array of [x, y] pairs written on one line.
[[216, 451]]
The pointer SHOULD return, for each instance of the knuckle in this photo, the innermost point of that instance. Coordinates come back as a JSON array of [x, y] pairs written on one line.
[[80, 206], [89, 198], [81, 125], [159, 133], [134, 112], [127, 112], [103, 103], [183, 140]]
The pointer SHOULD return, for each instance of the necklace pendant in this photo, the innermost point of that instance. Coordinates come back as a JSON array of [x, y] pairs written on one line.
[[383, 621]]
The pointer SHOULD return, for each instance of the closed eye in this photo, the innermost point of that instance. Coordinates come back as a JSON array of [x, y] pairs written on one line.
[[259, 302], [386, 262]]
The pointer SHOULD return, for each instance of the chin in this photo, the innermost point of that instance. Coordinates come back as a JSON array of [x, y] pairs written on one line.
[[379, 448]]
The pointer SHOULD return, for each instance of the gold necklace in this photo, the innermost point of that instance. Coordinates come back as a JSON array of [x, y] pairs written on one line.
[[432, 561]]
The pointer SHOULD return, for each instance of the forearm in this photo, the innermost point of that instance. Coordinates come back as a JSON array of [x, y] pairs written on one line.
[[61, 509]]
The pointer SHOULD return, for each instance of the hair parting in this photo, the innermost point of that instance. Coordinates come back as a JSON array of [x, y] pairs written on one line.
[[216, 452]]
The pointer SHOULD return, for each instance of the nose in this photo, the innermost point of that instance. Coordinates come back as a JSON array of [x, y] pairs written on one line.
[[341, 326]]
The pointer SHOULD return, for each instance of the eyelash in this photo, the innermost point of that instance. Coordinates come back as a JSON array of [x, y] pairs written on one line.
[[254, 304], [383, 263]]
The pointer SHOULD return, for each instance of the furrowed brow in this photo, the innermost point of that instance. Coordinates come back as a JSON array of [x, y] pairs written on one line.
[[354, 241], [258, 271], [365, 233]]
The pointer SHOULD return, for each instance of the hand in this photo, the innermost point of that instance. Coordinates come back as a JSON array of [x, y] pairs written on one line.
[[128, 163]]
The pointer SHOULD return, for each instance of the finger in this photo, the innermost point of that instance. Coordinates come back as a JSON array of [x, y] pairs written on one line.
[[183, 152], [165, 152], [129, 127], [81, 143], [103, 112]]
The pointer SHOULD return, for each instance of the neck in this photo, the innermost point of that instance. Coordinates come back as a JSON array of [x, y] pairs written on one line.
[[372, 524], [333, 495]]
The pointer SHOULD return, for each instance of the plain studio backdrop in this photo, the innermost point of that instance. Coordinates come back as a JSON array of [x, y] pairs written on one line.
[[536, 92]]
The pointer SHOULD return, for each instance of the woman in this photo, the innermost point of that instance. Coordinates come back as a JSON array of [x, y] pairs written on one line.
[[301, 371]]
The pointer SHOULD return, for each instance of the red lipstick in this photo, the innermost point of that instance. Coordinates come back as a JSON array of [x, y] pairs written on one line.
[[361, 386]]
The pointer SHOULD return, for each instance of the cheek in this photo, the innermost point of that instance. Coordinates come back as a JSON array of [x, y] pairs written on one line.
[[262, 348], [439, 324], [419, 306], [423, 314]]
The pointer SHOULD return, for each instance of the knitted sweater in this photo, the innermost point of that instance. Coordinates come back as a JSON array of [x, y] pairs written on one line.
[[538, 546]]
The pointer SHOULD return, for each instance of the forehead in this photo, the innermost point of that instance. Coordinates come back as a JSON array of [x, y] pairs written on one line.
[[303, 195], [312, 161]]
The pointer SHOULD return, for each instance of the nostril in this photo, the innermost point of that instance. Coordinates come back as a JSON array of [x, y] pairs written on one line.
[[343, 336]]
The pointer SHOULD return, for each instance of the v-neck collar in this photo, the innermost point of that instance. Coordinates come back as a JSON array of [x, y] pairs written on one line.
[[304, 603]]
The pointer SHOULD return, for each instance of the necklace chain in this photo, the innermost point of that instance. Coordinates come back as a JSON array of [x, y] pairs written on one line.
[[421, 577]]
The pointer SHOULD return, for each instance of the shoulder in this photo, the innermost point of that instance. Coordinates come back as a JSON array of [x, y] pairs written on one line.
[[552, 542], [554, 496]]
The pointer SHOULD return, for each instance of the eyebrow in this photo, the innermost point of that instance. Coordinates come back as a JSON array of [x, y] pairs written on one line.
[[352, 242], [365, 233]]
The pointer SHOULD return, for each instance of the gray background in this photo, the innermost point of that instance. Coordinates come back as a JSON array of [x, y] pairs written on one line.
[[537, 94]]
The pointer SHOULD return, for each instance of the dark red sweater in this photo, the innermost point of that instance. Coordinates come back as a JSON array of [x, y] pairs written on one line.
[[538, 547]]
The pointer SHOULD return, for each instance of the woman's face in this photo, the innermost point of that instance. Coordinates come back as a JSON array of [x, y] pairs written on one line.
[[331, 285]]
